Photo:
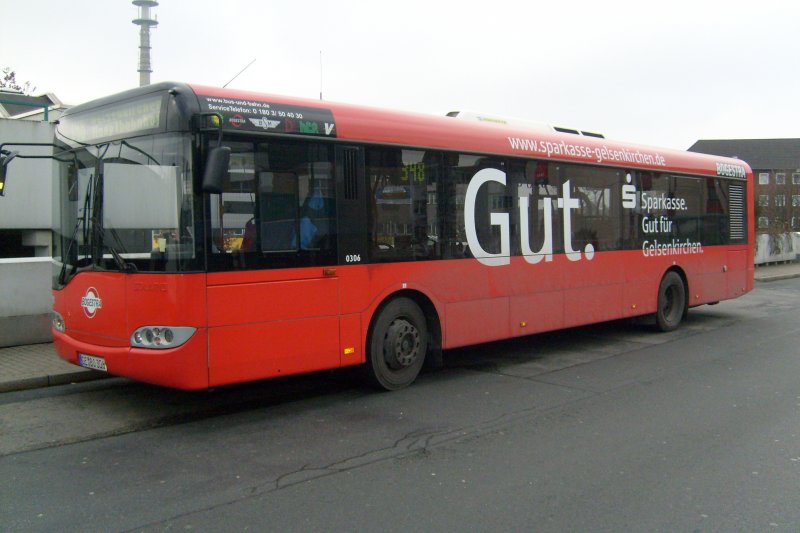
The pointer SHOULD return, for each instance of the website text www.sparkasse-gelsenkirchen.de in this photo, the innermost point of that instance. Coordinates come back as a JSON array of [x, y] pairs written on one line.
[[599, 154]]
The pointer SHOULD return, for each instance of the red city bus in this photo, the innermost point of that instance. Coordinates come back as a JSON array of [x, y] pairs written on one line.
[[210, 236]]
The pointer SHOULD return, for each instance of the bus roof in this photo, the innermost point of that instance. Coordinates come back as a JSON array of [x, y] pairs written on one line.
[[519, 123], [243, 109], [265, 113]]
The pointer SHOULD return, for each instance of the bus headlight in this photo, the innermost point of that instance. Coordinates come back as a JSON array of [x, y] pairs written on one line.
[[161, 337], [58, 322]]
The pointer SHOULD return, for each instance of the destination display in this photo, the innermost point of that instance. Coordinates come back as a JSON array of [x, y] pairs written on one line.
[[251, 115], [113, 122]]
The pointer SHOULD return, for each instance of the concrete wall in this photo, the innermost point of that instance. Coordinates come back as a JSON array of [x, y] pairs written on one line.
[[25, 300], [777, 248], [28, 200], [25, 294]]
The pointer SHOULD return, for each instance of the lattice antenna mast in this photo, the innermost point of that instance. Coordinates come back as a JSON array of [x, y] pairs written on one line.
[[145, 21]]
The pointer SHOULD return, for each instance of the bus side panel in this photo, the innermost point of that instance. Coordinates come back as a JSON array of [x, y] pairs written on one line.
[[477, 321], [640, 288], [258, 351], [593, 288], [738, 273], [350, 340], [268, 301], [477, 299], [708, 281], [535, 313], [592, 304], [272, 328]]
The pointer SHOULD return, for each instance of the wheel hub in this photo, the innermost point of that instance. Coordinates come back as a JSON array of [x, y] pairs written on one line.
[[401, 344]]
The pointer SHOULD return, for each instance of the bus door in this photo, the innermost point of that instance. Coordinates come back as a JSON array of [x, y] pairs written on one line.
[[273, 284]]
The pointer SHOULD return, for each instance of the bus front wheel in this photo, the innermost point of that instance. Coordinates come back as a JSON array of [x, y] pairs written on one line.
[[671, 302], [398, 342]]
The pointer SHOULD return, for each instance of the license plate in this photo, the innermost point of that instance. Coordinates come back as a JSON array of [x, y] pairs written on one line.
[[92, 361]]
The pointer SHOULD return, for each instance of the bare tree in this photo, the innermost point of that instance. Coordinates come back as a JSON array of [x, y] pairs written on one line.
[[8, 80]]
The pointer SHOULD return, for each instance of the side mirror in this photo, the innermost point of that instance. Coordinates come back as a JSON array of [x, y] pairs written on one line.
[[5, 159], [216, 169]]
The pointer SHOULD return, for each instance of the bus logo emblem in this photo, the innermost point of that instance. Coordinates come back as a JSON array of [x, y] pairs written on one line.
[[91, 302], [265, 123]]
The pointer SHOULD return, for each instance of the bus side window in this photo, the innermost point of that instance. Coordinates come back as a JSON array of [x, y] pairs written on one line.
[[390, 212], [403, 211], [231, 210], [317, 206], [492, 197], [277, 192], [296, 203]]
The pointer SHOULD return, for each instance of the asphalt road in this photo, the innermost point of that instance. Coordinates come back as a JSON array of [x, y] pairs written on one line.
[[606, 428]]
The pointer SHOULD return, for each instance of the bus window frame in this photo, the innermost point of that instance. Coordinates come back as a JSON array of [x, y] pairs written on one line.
[[262, 260]]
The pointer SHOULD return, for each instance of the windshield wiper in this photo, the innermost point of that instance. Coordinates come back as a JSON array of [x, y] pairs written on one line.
[[82, 221], [123, 265], [62, 276], [126, 144]]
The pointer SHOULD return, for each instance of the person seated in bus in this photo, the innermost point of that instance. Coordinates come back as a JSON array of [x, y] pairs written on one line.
[[249, 237], [278, 211], [313, 223]]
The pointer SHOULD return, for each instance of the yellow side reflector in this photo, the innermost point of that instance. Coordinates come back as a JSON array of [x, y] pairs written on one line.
[[349, 351]]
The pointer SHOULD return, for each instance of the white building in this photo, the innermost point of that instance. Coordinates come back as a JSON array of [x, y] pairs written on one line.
[[26, 220]]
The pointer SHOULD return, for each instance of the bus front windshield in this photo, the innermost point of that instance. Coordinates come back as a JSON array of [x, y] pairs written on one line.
[[125, 206]]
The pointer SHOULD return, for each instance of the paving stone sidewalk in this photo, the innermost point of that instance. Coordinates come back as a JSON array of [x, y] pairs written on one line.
[[37, 365]]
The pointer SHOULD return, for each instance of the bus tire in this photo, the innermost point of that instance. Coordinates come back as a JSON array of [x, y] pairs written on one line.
[[671, 302], [397, 343]]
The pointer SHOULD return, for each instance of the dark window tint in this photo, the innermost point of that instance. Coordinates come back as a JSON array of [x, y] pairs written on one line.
[[596, 214], [403, 196], [459, 169], [687, 210], [277, 208]]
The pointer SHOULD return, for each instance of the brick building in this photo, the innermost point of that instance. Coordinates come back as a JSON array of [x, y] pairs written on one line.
[[776, 169]]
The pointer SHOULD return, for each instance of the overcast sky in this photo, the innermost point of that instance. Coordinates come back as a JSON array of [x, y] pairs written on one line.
[[664, 74]]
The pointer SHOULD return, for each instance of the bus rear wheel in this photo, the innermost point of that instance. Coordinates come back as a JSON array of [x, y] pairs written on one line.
[[671, 302], [398, 342]]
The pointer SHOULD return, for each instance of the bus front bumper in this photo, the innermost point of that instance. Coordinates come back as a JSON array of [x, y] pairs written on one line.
[[183, 367]]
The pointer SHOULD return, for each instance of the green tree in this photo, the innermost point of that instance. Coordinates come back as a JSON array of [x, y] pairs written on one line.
[[8, 80]]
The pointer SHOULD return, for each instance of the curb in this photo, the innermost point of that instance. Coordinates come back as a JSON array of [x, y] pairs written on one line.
[[51, 381], [777, 278]]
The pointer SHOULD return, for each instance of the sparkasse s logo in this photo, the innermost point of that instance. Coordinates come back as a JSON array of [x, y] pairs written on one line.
[[629, 193], [91, 302]]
